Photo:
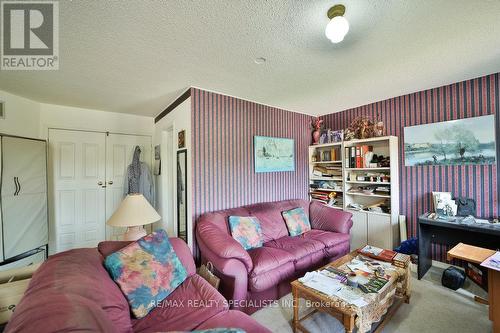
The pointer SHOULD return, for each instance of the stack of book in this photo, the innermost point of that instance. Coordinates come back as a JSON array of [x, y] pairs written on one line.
[[320, 196], [327, 171], [401, 260], [378, 253]]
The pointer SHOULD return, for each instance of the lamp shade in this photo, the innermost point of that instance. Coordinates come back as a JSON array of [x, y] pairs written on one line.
[[133, 211]]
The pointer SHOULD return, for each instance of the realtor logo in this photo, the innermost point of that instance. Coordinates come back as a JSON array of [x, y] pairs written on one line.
[[30, 35]]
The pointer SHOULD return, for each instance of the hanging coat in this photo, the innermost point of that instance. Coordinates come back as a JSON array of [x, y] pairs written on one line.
[[139, 179]]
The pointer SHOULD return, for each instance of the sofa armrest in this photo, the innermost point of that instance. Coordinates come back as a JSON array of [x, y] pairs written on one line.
[[329, 219], [221, 244], [232, 272]]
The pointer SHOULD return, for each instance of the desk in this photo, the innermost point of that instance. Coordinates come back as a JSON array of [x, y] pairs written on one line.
[[451, 233], [477, 255]]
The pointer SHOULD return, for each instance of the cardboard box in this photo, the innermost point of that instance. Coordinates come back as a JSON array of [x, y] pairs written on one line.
[[13, 284]]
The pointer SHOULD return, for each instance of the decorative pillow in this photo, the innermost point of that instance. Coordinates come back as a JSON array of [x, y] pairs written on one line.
[[147, 271], [296, 221], [246, 230]]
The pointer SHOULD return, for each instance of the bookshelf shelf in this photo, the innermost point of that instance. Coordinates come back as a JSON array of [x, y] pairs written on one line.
[[325, 145], [367, 183], [326, 162], [368, 195], [329, 190], [335, 179], [368, 169]]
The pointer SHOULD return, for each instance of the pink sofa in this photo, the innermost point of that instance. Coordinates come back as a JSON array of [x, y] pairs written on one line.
[[73, 292], [252, 279]]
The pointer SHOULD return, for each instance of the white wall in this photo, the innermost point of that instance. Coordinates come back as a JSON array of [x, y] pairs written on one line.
[[22, 116], [67, 117], [25, 117], [177, 120]]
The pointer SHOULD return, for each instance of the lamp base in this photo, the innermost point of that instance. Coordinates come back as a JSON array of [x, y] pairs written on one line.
[[134, 233]]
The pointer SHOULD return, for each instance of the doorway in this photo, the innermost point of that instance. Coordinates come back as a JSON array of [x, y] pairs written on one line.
[[87, 183]]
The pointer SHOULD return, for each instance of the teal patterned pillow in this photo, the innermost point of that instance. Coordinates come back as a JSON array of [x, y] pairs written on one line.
[[147, 271], [296, 221], [246, 230]]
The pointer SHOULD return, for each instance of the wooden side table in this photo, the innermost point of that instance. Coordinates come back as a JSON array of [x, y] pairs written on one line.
[[477, 255]]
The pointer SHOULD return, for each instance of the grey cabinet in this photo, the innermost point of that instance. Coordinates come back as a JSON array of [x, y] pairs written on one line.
[[23, 196]]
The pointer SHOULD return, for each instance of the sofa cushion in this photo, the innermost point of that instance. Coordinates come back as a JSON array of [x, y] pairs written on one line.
[[147, 271], [266, 259], [296, 221], [298, 246], [328, 238], [193, 302], [246, 231], [271, 221], [58, 312], [271, 278], [233, 318]]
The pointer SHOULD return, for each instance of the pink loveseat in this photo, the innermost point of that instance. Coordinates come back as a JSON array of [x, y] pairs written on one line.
[[72, 292], [252, 279]]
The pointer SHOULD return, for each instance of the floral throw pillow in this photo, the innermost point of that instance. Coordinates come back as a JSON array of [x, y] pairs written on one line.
[[296, 221], [246, 230], [147, 271]]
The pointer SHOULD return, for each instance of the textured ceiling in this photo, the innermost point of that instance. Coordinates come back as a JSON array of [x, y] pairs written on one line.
[[137, 56]]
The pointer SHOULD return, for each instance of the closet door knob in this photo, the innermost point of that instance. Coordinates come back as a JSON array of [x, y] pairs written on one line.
[[110, 182], [99, 183]]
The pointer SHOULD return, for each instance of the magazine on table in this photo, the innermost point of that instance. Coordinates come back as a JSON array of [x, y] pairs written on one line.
[[492, 262]]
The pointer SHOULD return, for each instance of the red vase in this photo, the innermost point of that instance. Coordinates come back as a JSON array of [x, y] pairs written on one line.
[[316, 135]]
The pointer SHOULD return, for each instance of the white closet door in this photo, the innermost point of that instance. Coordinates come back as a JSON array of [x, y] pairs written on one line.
[[120, 150], [77, 168], [24, 195]]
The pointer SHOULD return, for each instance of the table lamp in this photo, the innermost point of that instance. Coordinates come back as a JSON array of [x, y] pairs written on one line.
[[134, 212]]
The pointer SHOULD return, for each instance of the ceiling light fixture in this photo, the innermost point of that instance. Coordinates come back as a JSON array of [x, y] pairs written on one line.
[[338, 26]]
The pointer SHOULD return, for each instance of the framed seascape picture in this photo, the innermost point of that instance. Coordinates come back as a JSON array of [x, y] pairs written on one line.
[[274, 154], [456, 142]]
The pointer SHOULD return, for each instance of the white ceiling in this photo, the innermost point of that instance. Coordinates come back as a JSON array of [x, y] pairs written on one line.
[[138, 56]]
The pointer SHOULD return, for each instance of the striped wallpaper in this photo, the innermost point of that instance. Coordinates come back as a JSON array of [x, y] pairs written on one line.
[[460, 100], [223, 130]]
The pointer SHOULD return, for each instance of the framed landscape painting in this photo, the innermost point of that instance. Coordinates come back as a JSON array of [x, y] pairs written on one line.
[[274, 154], [456, 142]]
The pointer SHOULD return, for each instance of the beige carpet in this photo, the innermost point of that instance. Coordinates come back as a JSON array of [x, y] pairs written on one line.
[[432, 308]]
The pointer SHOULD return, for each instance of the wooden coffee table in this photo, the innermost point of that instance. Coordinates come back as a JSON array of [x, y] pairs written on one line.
[[348, 313]]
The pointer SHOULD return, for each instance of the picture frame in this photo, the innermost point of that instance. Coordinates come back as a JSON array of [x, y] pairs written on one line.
[[467, 141], [274, 154], [181, 139], [182, 195]]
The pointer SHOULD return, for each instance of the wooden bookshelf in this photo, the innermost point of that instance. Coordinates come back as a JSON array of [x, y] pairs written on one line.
[[377, 228]]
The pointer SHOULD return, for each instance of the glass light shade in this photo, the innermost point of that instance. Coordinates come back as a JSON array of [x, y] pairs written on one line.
[[336, 29], [133, 211]]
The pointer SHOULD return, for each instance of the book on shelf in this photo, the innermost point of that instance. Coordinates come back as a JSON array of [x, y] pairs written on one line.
[[352, 161], [359, 159], [347, 156], [364, 150]]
